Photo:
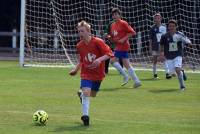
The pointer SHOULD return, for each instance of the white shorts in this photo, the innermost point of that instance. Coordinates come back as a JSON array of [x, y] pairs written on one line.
[[172, 64], [155, 53]]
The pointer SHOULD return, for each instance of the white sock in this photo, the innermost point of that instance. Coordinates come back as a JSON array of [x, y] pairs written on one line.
[[180, 78], [85, 104], [154, 69], [166, 67], [120, 69], [133, 75]]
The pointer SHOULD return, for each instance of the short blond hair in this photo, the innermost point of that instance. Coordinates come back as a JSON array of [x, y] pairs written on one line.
[[84, 24], [157, 14]]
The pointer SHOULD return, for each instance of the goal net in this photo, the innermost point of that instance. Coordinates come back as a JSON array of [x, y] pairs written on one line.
[[50, 34]]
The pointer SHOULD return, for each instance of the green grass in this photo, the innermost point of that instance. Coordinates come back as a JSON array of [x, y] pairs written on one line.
[[158, 107]]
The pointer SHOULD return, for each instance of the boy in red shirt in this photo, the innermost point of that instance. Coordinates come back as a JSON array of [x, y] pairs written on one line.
[[92, 52], [120, 32]]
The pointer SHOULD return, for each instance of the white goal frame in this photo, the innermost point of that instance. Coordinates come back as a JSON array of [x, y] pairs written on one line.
[[135, 54]]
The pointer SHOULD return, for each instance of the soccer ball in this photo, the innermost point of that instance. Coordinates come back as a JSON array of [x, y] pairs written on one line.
[[40, 117]]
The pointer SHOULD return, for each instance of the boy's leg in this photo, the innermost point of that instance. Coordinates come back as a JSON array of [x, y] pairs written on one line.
[[85, 108], [86, 90], [79, 93], [171, 68], [180, 78], [178, 68], [107, 65], [166, 67], [131, 73], [155, 75], [184, 75], [122, 72], [90, 89], [121, 62], [85, 100]]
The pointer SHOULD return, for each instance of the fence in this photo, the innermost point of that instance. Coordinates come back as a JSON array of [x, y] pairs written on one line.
[[14, 34]]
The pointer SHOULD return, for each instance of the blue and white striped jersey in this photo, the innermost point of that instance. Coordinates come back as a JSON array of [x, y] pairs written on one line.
[[173, 44], [155, 34]]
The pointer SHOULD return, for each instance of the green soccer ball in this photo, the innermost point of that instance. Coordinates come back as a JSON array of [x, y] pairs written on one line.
[[40, 117]]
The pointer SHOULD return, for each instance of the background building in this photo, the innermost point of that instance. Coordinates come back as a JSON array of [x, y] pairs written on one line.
[[9, 20]]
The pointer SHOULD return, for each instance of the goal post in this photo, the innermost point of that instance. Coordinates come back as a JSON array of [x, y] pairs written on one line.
[[22, 27], [49, 35]]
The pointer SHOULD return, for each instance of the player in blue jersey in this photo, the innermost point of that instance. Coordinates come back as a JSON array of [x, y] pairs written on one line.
[[172, 49], [155, 33]]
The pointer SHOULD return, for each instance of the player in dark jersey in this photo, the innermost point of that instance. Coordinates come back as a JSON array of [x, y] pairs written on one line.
[[155, 33], [172, 49]]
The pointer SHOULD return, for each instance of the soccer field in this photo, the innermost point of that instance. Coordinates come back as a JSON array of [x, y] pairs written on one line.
[[158, 107]]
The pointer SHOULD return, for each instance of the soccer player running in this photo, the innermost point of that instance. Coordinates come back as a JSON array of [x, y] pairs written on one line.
[[120, 31], [156, 31], [111, 45], [172, 48], [92, 52]]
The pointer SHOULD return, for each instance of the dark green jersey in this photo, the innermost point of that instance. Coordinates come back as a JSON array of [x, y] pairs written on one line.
[[107, 31], [107, 28]]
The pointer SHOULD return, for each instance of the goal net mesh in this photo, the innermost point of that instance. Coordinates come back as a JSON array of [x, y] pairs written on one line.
[[51, 34]]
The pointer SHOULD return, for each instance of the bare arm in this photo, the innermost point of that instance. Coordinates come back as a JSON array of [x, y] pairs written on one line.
[[75, 69], [110, 38], [97, 62], [125, 38]]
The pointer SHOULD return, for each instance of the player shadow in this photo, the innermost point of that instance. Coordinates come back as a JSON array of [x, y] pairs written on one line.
[[163, 91], [149, 79], [112, 74], [77, 126], [115, 89], [36, 125]]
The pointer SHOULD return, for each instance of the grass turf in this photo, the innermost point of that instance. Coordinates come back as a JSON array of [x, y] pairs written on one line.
[[158, 107]]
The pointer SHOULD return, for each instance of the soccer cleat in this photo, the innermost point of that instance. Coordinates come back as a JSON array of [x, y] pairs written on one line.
[[79, 95], [173, 75], [184, 76], [182, 88], [168, 76], [86, 120], [136, 85], [155, 76], [125, 81]]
